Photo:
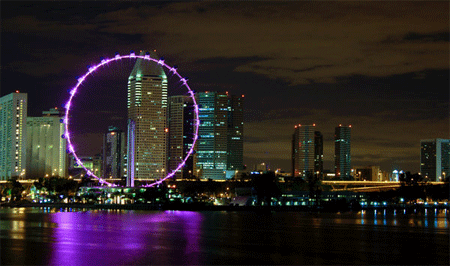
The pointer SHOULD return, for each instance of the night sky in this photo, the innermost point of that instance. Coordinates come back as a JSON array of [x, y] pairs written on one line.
[[382, 67]]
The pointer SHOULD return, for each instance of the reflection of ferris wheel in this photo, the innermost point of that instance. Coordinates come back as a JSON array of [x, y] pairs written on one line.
[[105, 62]]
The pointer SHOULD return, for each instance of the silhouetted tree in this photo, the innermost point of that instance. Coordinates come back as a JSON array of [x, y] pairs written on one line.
[[315, 188], [16, 189], [156, 192], [265, 187]]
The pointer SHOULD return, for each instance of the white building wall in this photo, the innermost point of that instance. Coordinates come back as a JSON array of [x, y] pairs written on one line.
[[46, 149], [13, 115]]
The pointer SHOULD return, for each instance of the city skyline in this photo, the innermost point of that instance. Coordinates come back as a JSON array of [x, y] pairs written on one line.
[[382, 67]]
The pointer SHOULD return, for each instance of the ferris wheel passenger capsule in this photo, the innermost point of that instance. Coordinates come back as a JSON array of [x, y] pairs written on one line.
[[173, 69], [132, 54]]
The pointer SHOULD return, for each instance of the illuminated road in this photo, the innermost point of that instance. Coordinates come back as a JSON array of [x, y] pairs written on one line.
[[360, 186]]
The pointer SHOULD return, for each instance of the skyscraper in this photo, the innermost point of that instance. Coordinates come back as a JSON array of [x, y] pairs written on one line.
[[235, 134], [307, 151], [342, 158], [147, 122], [318, 154], [114, 149], [181, 134], [435, 159], [211, 155], [46, 150], [13, 117]]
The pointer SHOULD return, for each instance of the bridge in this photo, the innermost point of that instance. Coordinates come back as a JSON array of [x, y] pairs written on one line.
[[367, 186]]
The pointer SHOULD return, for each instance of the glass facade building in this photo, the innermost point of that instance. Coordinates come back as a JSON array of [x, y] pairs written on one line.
[[211, 149], [235, 134], [435, 159], [220, 144], [307, 151], [181, 134], [318, 154], [342, 157], [114, 150]]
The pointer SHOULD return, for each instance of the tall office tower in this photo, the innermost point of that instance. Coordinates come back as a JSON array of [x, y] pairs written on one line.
[[147, 125], [304, 150], [211, 155], [181, 134], [435, 159], [342, 158], [318, 154], [235, 135], [13, 117], [114, 149], [46, 150]]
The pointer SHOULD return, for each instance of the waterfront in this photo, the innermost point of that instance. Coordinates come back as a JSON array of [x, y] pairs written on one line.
[[50, 236]]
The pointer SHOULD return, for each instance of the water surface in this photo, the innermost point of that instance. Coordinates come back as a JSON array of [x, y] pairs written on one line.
[[44, 236]]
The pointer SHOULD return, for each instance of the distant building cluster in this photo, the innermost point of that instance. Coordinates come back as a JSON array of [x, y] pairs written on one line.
[[307, 157], [307, 152]]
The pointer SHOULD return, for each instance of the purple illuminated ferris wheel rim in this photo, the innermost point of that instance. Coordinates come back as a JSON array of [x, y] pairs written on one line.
[[93, 69]]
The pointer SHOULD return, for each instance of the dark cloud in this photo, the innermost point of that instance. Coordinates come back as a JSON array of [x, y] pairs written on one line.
[[380, 66], [432, 37]]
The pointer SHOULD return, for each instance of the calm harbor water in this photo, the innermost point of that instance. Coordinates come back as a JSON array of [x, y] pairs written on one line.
[[44, 236]]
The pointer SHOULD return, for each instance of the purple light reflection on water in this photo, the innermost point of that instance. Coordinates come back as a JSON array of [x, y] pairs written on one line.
[[66, 239], [192, 222], [94, 238], [122, 237], [125, 237]]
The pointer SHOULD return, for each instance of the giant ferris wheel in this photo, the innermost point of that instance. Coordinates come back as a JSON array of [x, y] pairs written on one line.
[[93, 69]]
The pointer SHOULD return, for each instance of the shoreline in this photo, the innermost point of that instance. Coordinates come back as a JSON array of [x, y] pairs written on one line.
[[198, 207]]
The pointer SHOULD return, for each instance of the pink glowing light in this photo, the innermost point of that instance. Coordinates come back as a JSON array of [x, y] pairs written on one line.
[[106, 61]]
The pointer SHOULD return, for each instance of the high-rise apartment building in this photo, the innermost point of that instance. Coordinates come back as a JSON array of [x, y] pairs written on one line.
[[435, 159], [235, 135], [13, 117], [46, 150], [147, 121], [342, 158], [307, 151], [181, 134], [114, 148]]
